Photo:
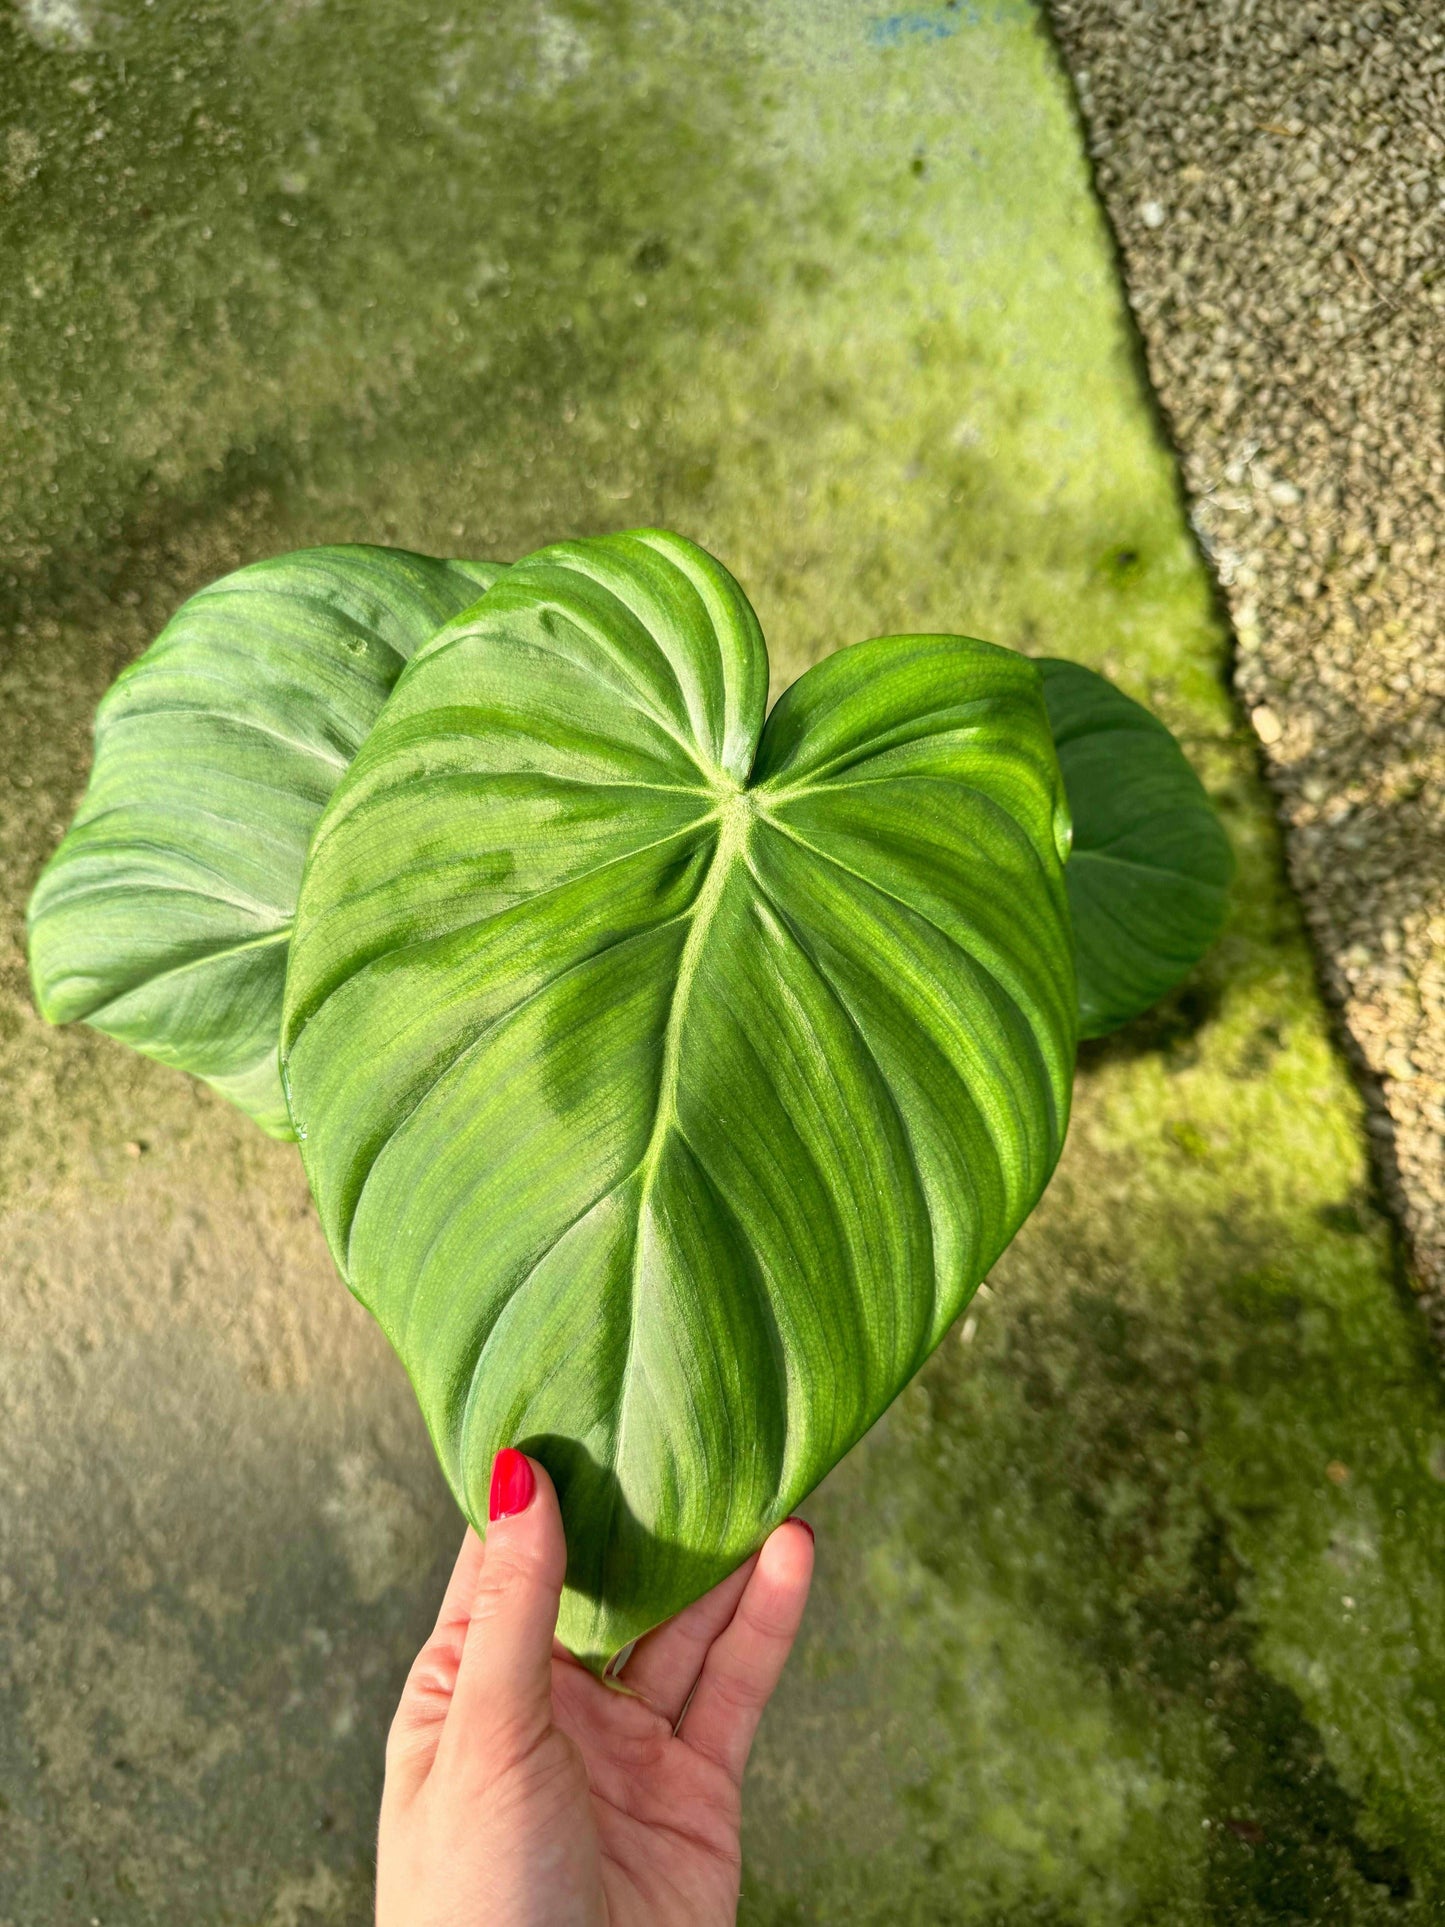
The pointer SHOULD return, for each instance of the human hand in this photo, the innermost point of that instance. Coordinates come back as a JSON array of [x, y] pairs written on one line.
[[521, 1791]]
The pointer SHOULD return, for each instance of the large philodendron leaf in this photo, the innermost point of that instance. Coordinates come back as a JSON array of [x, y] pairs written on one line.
[[667, 1083], [1149, 875], [165, 915]]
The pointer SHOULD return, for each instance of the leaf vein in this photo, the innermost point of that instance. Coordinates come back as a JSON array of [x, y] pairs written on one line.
[[830, 983]]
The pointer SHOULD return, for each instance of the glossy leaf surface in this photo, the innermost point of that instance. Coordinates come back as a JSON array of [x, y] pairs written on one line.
[[667, 1082], [1149, 875], [165, 915]]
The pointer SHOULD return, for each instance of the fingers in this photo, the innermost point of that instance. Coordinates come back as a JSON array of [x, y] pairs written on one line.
[[747, 1659], [502, 1702], [664, 1668], [412, 1742]]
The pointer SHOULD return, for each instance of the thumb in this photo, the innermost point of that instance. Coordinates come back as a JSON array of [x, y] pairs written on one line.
[[502, 1704], [421, 1714]]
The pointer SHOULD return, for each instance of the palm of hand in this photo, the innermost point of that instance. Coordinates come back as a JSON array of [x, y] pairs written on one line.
[[665, 1815]]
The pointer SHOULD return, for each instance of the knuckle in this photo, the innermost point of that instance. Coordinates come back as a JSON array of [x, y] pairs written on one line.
[[738, 1691], [513, 1561], [433, 1672], [769, 1620], [498, 1585]]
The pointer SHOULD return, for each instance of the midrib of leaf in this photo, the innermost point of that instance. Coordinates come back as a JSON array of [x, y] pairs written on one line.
[[530, 905], [489, 1030], [736, 811]]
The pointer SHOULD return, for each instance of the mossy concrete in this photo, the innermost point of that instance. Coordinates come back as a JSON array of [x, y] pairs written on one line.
[[1133, 1608]]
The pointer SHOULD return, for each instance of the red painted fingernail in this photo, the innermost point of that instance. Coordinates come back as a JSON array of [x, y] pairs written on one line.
[[514, 1485], [794, 1520]]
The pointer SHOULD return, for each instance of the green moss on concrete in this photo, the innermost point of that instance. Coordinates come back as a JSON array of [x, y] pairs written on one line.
[[1133, 1609], [1146, 1627]]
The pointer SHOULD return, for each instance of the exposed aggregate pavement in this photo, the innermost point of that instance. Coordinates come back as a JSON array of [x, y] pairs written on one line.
[[1275, 174]]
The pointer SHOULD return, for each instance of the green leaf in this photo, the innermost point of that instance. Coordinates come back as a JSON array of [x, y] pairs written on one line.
[[667, 1083], [1149, 875], [164, 917]]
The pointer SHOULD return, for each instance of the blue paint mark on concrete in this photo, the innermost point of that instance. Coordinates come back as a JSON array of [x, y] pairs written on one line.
[[899, 27], [941, 23]]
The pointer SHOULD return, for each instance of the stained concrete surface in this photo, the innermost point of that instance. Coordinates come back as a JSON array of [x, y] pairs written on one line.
[[1131, 1609]]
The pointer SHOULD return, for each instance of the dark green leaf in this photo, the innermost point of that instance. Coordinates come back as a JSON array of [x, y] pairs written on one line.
[[667, 1083], [165, 915], [1149, 874]]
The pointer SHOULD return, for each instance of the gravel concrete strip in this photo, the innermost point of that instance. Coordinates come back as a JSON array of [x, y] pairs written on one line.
[[1275, 173]]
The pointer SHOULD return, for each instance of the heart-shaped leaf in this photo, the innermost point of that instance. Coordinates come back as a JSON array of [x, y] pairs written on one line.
[[165, 915], [667, 1082], [1149, 875]]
